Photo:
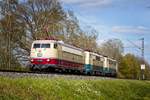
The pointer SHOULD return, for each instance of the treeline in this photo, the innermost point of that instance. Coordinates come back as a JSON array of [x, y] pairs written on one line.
[[22, 21]]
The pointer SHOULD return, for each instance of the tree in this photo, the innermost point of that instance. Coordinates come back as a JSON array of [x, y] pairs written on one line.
[[112, 48], [74, 35], [130, 67], [11, 31]]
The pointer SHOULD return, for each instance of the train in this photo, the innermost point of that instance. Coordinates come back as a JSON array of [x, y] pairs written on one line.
[[54, 54]]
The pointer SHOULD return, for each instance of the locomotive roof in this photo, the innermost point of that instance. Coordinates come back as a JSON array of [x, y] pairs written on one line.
[[44, 41], [59, 42], [96, 54], [112, 59]]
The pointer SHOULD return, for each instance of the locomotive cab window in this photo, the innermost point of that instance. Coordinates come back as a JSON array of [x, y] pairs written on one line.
[[45, 45], [55, 46], [36, 45]]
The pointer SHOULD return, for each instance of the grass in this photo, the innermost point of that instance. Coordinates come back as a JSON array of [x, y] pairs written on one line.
[[67, 89]]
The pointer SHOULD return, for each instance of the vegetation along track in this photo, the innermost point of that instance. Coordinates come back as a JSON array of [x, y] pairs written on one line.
[[20, 74]]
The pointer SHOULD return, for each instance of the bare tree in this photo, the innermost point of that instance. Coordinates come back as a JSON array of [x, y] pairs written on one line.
[[112, 48]]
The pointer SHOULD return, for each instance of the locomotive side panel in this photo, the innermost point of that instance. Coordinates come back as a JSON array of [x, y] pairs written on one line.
[[110, 67], [93, 63], [71, 57], [98, 64], [88, 68]]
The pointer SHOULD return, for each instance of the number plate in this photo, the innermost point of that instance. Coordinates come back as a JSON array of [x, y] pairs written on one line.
[[39, 60]]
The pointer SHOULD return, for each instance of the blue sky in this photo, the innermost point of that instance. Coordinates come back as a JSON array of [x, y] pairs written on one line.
[[122, 19]]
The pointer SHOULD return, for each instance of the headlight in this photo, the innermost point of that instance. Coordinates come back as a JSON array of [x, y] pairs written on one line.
[[32, 60], [48, 60]]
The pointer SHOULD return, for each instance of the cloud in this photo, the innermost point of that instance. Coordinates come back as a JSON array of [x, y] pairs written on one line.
[[131, 29], [88, 3]]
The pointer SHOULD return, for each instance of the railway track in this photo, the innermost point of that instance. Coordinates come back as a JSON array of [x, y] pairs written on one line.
[[21, 74]]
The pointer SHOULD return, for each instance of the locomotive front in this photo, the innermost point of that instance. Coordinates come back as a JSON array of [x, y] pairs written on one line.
[[44, 54]]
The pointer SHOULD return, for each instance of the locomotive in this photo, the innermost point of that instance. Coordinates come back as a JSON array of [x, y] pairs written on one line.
[[54, 54]]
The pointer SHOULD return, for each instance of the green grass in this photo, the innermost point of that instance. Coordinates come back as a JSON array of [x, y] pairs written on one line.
[[67, 89]]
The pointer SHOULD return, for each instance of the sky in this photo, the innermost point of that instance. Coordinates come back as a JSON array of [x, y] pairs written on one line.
[[127, 20]]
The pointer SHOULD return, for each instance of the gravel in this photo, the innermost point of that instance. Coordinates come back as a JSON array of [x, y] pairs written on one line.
[[49, 75]]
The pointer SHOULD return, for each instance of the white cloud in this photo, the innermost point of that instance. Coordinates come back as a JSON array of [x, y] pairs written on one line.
[[88, 3], [131, 29]]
